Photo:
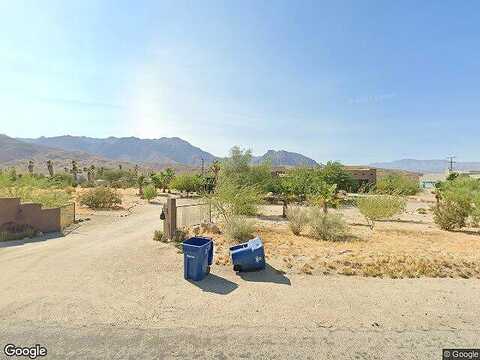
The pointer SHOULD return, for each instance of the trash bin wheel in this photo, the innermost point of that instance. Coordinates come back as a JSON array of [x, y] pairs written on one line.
[[237, 268]]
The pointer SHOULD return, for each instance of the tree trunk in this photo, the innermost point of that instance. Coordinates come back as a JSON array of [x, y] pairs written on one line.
[[325, 208]]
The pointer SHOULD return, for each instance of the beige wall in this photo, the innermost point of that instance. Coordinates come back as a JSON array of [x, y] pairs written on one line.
[[45, 220]]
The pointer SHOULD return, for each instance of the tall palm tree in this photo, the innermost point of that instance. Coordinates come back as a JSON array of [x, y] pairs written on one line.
[[30, 167], [50, 167]]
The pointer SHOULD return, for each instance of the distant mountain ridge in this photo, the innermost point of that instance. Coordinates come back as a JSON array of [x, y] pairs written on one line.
[[17, 153], [160, 151], [284, 158], [155, 152], [426, 166]]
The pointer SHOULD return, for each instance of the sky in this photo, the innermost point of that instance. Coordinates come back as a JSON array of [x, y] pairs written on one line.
[[354, 81]]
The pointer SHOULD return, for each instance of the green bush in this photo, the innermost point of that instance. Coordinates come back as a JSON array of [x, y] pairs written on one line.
[[118, 178], [101, 197], [459, 200], [330, 227], [449, 215], [397, 184], [230, 199], [297, 219], [149, 192], [380, 207], [187, 183], [158, 235], [239, 228]]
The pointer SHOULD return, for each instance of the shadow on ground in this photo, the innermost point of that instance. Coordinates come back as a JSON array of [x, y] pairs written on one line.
[[45, 237], [215, 284], [269, 275]]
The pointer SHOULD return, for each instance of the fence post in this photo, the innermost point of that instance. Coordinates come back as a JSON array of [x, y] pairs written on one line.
[[170, 222]]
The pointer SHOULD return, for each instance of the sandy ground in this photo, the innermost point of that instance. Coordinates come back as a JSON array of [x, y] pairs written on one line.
[[107, 291], [408, 246]]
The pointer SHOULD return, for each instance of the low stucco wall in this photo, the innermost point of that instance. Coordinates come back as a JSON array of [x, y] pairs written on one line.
[[45, 220]]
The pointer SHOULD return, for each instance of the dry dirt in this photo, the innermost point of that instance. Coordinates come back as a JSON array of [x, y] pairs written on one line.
[[107, 291], [410, 246]]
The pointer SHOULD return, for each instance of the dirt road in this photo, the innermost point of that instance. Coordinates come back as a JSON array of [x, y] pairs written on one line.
[[108, 291]]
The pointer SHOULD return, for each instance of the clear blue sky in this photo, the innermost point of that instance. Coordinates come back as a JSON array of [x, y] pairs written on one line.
[[356, 81]]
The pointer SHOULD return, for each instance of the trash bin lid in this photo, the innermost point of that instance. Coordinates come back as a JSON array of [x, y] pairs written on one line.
[[255, 244]]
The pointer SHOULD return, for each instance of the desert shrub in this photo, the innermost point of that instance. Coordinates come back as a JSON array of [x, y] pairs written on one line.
[[450, 215], [51, 198], [459, 200], [330, 227], [230, 199], [239, 228], [380, 207], [149, 192], [62, 180], [118, 178], [397, 184], [422, 211], [158, 235], [187, 183], [180, 235], [334, 173], [297, 219], [101, 197]]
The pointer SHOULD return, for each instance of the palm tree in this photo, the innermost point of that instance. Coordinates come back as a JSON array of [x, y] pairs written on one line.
[[140, 182], [30, 167], [50, 167], [74, 170], [215, 168]]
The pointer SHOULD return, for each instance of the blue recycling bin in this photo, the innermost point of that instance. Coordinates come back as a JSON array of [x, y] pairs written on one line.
[[197, 257], [249, 256]]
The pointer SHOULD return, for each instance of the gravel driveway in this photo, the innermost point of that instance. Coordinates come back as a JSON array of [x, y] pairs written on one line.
[[107, 291]]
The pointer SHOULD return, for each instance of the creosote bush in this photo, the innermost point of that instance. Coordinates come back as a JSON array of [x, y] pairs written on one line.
[[325, 226], [158, 235], [380, 207], [239, 228], [101, 197], [149, 192], [450, 215], [397, 184], [297, 219]]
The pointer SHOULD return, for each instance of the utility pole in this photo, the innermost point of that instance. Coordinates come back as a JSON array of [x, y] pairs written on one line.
[[451, 162]]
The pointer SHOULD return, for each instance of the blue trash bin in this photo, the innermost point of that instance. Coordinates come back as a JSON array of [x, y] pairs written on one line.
[[249, 256], [197, 257]]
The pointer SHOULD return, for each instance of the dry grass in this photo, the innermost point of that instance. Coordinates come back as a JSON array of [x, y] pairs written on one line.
[[408, 247]]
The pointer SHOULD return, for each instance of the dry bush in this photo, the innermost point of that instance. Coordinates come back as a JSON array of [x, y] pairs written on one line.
[[158, 235], [330, 227], [380, 207], [449, 215], [101, 198], [239, 228], [297, 219], [149, 192]]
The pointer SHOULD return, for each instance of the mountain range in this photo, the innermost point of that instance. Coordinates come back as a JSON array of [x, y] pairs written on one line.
[[426, 166], [154, 153]]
